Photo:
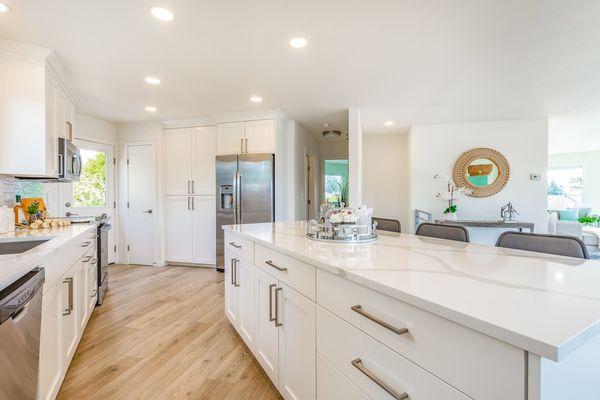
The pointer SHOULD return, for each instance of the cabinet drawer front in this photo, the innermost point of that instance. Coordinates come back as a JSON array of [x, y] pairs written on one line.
[[240, 246], [56, 265], [477, 364], [333, 385], [292, 272], [372, 367]]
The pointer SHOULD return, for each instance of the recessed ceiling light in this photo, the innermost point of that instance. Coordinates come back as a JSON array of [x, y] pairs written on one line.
[[162, 13], [298, 42], [4, 8], [150, 108], [388, 123], [152, 80], [256, 99]]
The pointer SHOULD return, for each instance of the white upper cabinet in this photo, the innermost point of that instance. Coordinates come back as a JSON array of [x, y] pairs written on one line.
[[36, 108], [250, 137], [260, 137], [230, 138], [204, 143], [178, 157], [190, 161]]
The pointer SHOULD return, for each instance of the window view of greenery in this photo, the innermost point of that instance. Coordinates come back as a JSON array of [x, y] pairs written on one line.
[[90, 191], [336, 182]]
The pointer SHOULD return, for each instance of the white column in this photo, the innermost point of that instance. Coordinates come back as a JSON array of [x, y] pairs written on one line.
[[354, 157]]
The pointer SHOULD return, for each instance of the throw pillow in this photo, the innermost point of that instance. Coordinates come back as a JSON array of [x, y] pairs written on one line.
[[568, 215]]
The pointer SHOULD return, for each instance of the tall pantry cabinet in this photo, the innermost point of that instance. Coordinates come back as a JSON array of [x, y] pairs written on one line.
[[190, 194]]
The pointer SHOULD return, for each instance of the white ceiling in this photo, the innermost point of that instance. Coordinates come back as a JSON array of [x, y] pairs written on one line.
[[414, 62]]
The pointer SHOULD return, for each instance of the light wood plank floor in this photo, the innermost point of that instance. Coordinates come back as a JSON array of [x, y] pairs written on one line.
[[162, 334]]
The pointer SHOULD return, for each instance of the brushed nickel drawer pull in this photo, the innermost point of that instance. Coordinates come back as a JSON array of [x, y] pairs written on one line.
[[237, 246], [271, 317], [86, 244], [277, 323], [87, 259], [358, 309], [270, 263], [357, 363]]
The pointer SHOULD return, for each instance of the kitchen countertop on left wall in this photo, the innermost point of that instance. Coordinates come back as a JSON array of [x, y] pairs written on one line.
[[13, 266]]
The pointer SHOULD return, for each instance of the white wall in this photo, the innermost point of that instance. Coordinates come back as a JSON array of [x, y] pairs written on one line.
[[132, 133], [385, 180], [435, 148], [95, 129], [303, 143], [590, 161]]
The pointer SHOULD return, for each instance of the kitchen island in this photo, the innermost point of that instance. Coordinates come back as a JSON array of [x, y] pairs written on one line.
[[412, 316]]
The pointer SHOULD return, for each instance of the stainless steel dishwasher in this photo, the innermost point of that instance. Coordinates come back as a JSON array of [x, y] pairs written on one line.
[[20, 320]]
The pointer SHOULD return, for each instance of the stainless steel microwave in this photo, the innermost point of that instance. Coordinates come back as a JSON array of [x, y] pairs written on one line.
[[69, 161]]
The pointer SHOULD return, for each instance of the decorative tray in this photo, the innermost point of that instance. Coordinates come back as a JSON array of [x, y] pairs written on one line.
[[342, 226]]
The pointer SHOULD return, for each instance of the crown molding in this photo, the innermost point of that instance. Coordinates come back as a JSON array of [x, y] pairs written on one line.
[[249, 116], [43, 57], [188, 122]]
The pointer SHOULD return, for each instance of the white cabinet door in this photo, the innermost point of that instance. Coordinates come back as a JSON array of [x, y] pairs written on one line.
[[179, 228], [231, 292], [204, 141], [55, 109], [51, 348], [260, 137], [204, 230], [297, 344], [266, 335], [70, 313], [69, 120], [92, 281], [247, 310], [82, 291], [178, 161], [230, 137]]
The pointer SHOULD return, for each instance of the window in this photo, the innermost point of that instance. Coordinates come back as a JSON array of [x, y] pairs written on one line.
[[90, 191], [565, 188], [336, 181]]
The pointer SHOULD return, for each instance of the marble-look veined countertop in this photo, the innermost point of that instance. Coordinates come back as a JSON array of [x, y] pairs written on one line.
[[13, 266], [547, 305]]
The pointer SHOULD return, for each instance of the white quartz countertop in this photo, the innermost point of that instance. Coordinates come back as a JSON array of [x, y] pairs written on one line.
[[544, 304], [13, 266]]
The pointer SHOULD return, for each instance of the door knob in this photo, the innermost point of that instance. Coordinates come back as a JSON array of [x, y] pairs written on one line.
[[69, 214], [148, 211]]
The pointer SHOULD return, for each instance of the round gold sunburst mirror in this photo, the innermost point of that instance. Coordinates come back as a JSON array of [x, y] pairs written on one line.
[[484, 171]]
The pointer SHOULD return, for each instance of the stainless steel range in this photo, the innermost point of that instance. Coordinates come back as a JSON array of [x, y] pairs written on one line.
[[102, 248]]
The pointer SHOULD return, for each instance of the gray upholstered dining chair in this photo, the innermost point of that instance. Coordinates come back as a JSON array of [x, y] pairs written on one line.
[[569, 246], [390, 225], [442, 231]]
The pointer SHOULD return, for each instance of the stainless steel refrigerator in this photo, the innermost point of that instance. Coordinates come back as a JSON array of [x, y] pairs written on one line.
[[245, 192]]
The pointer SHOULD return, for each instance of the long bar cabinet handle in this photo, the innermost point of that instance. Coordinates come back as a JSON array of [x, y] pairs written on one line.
[[357, 363], [69, 281], [234, 244], [278, 268], [271, 317], [359, 310], [277, 323], [235, 264]]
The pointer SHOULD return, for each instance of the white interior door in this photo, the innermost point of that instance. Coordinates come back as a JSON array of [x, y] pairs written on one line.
[[141, 204], [94, 194]]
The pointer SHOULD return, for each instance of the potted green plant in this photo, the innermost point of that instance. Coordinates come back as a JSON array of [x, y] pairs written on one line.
[[33, 210]]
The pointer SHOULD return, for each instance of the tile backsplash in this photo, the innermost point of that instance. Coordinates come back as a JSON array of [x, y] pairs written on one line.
[[49, 191]]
